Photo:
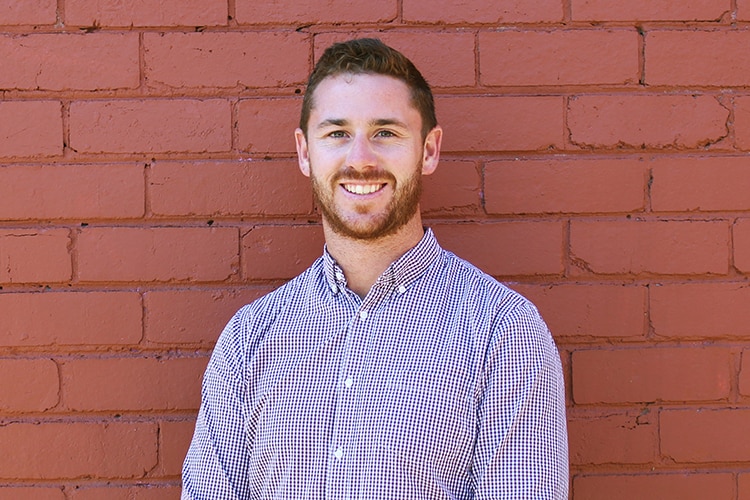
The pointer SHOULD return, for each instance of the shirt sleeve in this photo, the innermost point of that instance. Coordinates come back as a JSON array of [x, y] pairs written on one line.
[[216, 465], [522, 448]]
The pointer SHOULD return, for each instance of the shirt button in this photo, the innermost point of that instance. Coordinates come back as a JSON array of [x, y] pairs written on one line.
[[338, 453], [348, 382], [340, 276], [363, 314], [401, 289]]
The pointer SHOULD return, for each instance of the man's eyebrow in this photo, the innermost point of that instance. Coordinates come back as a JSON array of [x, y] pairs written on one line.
[[332, 122], [388, 121], [380, 122]]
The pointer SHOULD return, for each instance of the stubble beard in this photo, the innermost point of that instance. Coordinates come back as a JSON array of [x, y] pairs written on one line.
[[400, 210]]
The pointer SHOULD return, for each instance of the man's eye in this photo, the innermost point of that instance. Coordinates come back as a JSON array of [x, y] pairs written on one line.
[[385, 133], [338, 134]]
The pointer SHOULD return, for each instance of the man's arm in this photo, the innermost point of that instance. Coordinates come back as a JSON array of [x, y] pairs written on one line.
[[216, 466], [521, 450]]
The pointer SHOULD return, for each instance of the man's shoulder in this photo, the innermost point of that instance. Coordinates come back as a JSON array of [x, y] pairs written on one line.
[[480, 286]]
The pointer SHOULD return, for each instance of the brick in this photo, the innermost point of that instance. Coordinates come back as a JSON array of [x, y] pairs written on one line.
[[691, 436], [276, 252], [226, 59], [741, 233], [70, 318], [106, 13], [743, 10], [193, 316], [13, 12], [454, 188], [744, 385], [741, 122], [649, 10], [44, 62], [564, 186], [35, 256], [229, 188], [506, 248], [682, 485], [151, 126], [267, 125], [120, 492], [132, 384], [559, 57], [698, 58], [31, 128], [174, 440], [478, 11], [527, 124], [315, 12], [743, 487], [626, 438], [31, 385], [650, 247], [648, 375], [700, 310], [71, 191], [646, 121], [700, 184], [157, 254], [427, 50], [77, 449], [590, 311], [31, 493]]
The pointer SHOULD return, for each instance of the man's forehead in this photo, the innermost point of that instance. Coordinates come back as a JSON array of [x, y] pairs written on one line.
[[344, 91]]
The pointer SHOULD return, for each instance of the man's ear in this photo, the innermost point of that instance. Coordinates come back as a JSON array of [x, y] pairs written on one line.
[[431, 150], [303, 154]]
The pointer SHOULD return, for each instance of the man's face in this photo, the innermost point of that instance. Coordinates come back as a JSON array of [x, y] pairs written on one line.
[[365, 155]]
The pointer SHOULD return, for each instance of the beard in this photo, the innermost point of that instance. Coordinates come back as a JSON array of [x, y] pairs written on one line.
[[400, 210]]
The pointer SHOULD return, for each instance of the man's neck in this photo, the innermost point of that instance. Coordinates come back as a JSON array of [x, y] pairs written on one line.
[[363, 261]]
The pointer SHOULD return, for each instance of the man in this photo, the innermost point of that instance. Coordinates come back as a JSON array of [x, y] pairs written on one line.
[[390, 368]]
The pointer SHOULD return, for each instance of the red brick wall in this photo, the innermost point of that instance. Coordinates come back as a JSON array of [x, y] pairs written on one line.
[[596, 157]]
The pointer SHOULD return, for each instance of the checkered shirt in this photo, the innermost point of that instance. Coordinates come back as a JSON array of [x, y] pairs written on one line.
[[440, 384]]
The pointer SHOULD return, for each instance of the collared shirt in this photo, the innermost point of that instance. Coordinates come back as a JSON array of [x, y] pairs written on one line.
[[440, 384]]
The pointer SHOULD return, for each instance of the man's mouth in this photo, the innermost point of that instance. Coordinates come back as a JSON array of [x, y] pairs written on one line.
[[363, 188]]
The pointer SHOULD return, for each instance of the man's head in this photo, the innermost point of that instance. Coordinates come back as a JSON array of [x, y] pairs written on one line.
[[370, 55]]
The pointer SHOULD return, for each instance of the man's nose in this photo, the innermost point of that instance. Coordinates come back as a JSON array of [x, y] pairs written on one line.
[[360, 155]]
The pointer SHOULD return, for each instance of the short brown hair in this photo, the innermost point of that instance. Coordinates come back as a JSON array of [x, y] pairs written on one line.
[[370, 55]]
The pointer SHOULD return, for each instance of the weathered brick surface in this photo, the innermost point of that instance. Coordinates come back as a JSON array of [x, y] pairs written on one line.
[[157, 254], [650, 486], [151, 126], [85, 192], [649, 10], [29, 13], [31, 129], [71, 450], [35, 256], [476, 11], [646, 121], [258, 189], [543, 57], [648, 375], [70, 318], [565, 186], [594, 155], [40, 62], [662, 247], [697, 58], [113, 13], [226, 59]]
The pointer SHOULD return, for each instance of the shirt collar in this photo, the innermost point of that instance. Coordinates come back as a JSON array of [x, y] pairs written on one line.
[[400, 274]]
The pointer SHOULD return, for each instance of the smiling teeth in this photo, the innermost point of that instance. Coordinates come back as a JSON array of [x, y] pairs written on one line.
[[362, 188]]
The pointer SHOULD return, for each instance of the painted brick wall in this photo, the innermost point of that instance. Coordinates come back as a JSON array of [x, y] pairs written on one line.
[[596, 158]]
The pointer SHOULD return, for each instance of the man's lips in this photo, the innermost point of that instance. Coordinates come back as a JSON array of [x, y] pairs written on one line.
[[363, 188]]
